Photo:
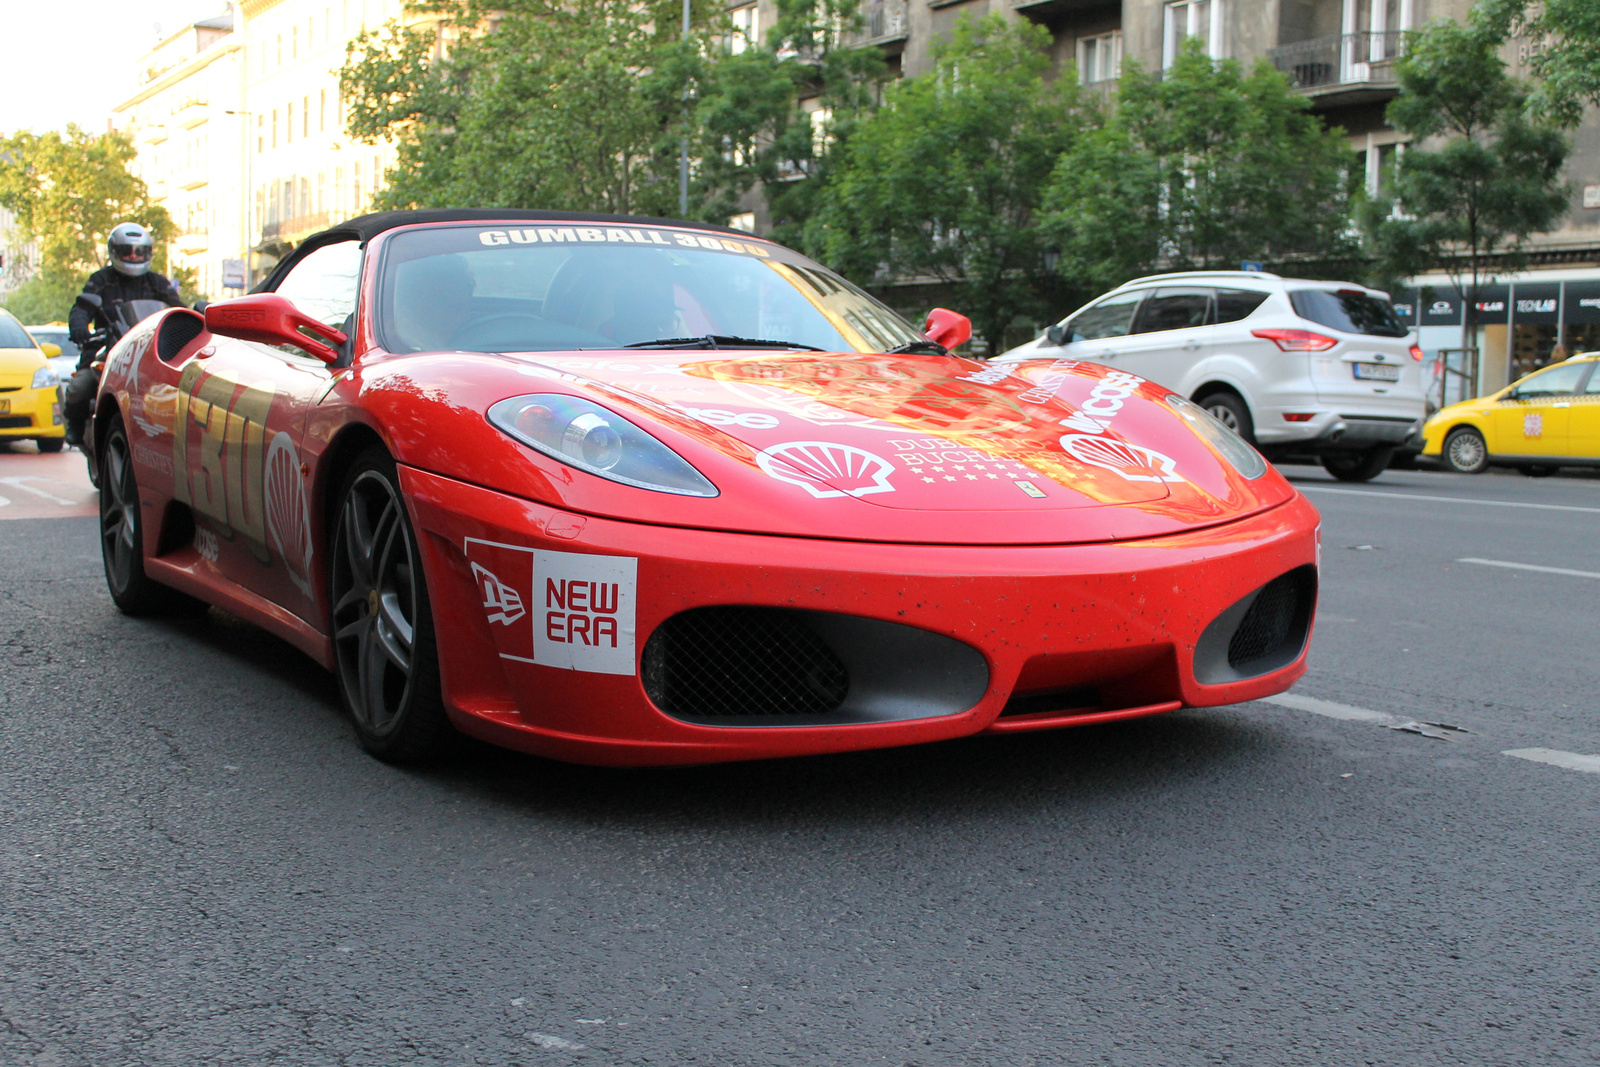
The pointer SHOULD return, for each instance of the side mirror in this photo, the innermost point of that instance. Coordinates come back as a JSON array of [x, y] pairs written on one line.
[[89, 302], [1056, 335], [51, 351], [273, 320], [947, 328]]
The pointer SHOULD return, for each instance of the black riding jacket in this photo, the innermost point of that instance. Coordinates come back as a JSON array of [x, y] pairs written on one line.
[[110, 284]]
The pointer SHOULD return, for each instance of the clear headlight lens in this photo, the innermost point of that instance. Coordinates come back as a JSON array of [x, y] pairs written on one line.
[[594, 439], [1246, 460], [45, 378]]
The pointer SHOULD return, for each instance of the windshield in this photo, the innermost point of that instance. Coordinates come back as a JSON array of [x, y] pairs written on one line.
[[548, 288], [1348, 310], [12, 335]]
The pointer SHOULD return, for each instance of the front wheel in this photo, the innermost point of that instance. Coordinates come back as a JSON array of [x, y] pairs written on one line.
[[1465, 451], [1358, 466], [383, 639]]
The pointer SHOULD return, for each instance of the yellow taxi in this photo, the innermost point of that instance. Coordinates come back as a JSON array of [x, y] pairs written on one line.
[[30, 388], [1536, 424]]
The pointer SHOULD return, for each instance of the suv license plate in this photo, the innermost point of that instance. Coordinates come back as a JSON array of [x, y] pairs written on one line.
[[5, 406], [1376, 372]]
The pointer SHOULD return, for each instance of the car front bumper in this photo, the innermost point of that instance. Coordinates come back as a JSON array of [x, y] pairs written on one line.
[[31, 413], [942, 641]]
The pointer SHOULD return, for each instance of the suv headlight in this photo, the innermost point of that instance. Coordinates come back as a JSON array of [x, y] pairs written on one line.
[[601, 442], [1235, 449], [45, 378]]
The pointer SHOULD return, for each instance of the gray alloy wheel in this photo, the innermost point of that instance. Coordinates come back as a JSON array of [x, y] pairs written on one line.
[[1465, 451], [122, 534], [1229, 410], [382, 621]]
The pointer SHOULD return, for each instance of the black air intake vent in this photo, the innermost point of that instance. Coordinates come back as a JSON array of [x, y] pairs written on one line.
[[748, 666], [715, 662], [1261, 633], [176, 332]]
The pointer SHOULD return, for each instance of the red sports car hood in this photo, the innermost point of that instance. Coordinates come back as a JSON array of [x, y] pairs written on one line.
[[975, 452]]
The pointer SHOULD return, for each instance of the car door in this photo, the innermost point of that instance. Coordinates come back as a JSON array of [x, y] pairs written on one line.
[[1584, 417], [241, 412], [1169, 335], [1093, 333], [1534, 418]]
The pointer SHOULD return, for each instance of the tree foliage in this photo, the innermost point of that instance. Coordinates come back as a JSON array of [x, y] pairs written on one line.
[[544, 103], [1200, 167], [944, 180], [1481, 176], [44, 298], [1564, 38], [68, 190]]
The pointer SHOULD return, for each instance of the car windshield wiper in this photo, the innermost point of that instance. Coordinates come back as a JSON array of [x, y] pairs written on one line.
[[719, 340], [918, 348]]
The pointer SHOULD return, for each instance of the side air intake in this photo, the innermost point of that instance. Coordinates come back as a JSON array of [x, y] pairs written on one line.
[[1261, 633]]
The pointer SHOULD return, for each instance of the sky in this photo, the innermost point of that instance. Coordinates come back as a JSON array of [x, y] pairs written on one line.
[[73, 60]]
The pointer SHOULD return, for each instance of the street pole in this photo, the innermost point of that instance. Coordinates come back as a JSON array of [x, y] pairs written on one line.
[[683, 152]]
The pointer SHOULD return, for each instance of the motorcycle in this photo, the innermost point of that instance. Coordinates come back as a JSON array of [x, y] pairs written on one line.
[[119, 316]]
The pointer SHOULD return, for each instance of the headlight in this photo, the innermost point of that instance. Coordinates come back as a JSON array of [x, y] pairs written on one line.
[[45, 378], [591, 438], [1235, 449]]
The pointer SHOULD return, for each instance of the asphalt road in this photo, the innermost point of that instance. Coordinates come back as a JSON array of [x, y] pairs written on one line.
[[199, 866]]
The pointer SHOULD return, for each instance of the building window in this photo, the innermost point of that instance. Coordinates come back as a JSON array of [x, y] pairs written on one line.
[[1100, 58], [294, 42], [280, 49], [305, 196], [310, 25], [288, 126], [322, 112], [305, 117], [274, 127], [261, 134], [746, 28], [1192, 18], [322, 191], [355, 188], [745, 221]]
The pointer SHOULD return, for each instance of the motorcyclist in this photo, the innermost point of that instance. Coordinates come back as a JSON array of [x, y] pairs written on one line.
[[128, 277]]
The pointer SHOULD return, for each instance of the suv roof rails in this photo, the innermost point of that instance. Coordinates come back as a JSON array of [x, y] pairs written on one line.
[[1206, 274]]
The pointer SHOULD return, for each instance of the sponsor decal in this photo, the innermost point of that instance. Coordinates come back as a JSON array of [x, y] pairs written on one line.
[[503, 603], [205, 543], [750, 420], [1536, 306], [288, 514], [1444, 307], [1029, 488], [1589, 301], [219, 453], [988, 376], [1133, 462], [587, 608], [1054, 377], [146, 456], [805, 408], [934, 459], [611, 235], [827, 469], [1533, 425], [572, 610]]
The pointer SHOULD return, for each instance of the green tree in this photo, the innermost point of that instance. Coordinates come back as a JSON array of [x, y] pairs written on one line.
[[1480, 176], [944, 180], [1565, 46], [1200, 167], [44, 298], [67, 191]]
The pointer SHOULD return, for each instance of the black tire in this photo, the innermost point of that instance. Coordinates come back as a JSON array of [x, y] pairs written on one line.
[[1465, 451], [1539, 470], [50, 444], [122, 535], [1358, 466], [1232, 412], [383, 641]]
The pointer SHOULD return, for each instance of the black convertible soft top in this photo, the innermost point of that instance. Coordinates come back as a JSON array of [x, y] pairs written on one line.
[[365, 227]]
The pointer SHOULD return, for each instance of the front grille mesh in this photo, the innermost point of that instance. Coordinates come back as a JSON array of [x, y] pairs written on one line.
[[1270, 622], [733, 661], [15, 422]]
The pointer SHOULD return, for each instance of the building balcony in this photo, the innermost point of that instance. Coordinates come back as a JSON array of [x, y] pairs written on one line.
[[196, 182], [1348, 68], [192, 114], [153, 134], [193, 242], [883, 21], [292, 231]]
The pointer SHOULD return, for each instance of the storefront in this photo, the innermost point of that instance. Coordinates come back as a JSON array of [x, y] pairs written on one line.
[[1523, 322]]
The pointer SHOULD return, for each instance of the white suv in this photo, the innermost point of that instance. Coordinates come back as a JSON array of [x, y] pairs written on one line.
[[1294, 367]]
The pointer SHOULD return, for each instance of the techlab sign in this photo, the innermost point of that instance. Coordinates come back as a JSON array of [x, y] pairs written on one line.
[[571, 610]]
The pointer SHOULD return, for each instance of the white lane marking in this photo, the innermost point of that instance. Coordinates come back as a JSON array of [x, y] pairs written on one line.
[[1570, 760], [20, 483], [1530, 567], [4, 502], [1347, 712], [1448, 499], [552, 1042]]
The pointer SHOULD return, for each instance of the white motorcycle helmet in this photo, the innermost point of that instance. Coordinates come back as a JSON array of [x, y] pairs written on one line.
[[130, 249]]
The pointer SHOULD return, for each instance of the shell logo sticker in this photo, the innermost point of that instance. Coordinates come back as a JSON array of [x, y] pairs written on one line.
[[1133, 462], [288, 514], [827, 469], [1533, 425]]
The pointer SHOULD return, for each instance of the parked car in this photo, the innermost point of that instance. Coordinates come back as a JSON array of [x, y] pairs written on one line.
[[634, 491], [1295, 367], [30, 389], [1537, 424], [55, 333]]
